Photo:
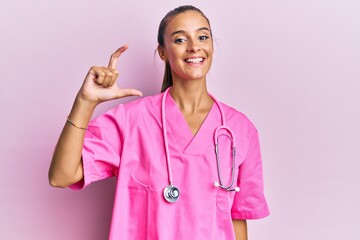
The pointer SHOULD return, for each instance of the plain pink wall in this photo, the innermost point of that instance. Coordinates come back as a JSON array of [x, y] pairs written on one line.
[[291, 66]]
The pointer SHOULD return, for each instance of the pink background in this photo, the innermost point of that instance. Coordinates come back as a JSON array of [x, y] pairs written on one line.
[[293, 67]]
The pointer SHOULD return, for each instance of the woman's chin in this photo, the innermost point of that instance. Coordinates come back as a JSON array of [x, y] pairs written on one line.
[[194, 76]]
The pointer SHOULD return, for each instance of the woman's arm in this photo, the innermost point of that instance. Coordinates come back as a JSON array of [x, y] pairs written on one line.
[[66, 165], [99, 86], [240, 228]]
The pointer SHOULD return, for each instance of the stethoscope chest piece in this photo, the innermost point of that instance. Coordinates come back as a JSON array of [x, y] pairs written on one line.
[[171, 193]]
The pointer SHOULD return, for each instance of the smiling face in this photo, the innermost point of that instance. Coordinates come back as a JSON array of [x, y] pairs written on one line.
[[188, 46]]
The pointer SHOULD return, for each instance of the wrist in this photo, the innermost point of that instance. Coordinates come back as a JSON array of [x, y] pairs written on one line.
[[81, 111], [86, 102]]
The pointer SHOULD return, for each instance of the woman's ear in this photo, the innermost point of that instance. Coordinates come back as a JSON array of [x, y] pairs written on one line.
[[162, 53]]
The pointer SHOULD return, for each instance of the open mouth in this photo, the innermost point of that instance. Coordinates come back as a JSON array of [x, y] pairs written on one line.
[[194, 60]]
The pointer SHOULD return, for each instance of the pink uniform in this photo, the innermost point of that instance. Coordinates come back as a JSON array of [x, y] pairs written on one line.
[[127, 142]]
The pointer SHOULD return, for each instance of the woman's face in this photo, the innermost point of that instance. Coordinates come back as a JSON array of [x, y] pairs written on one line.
[[188, 46]]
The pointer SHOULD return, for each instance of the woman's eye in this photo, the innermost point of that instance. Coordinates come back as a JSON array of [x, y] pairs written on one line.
[[203, 38], [180, 40]]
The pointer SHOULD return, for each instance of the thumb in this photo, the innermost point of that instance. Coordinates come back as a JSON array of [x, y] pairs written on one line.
[[128, 92]]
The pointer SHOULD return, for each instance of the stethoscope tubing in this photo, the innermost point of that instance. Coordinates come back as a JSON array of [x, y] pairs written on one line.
[[170, 189], [233, 152], [163, 120]]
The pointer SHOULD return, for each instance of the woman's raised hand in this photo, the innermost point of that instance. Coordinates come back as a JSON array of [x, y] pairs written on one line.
[[100, 82], [99, 85]]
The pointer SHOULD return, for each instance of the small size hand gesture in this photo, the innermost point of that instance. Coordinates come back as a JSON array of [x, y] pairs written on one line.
[[99, 84]]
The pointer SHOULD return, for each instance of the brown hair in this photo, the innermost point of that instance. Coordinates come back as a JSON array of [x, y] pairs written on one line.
[[168, 81]]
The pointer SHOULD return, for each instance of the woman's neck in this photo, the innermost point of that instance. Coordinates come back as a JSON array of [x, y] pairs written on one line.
[[191, 97]]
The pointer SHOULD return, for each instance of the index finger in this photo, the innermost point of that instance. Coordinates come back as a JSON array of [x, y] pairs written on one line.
[[115, 56]]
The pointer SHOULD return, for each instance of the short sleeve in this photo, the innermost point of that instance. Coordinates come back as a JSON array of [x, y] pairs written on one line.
[[250, 202], [102, 147]]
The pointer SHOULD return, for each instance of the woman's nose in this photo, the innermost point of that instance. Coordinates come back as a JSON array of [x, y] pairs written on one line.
[[193, 46]]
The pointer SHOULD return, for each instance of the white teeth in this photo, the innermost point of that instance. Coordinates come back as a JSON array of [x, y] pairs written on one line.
[[194, 60]]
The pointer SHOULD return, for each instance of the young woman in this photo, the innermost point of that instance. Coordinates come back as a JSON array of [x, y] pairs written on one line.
[[187, 166]]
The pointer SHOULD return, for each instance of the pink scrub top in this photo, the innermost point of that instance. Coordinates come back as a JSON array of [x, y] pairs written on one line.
[[127, 142]]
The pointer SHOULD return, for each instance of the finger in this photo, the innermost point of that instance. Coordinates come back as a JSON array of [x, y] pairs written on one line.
[[96, 74], [108, 77], [115, 76], [100, 77], [128, 92], [115, 56]]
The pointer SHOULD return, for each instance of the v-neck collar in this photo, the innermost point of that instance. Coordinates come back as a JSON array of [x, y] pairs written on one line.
[[179, 131]]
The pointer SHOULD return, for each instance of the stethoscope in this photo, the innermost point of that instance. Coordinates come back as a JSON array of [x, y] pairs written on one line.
[[171, 192]]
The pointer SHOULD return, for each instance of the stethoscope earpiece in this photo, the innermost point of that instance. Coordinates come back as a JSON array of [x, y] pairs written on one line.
[[171, 193], [236, 189]]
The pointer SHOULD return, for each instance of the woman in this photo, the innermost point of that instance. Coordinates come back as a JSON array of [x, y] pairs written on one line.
[[161, 148]]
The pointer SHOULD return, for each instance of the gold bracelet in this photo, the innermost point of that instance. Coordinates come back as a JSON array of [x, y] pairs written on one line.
[[73, 124]]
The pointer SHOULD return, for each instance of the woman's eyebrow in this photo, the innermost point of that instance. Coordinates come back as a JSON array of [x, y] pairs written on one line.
[[182, 31], [203, 28], [178, 32]]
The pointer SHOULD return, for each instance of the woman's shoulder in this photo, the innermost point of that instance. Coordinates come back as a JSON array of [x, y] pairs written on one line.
[[140, 107], [143, 102], [236, 117]]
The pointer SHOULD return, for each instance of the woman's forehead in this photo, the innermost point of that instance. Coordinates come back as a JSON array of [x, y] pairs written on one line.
[[189, 21]]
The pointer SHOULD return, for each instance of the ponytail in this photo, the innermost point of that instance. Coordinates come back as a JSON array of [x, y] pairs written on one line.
[[168, 81]]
